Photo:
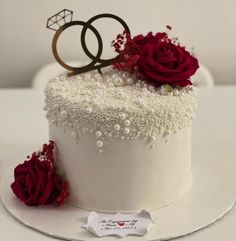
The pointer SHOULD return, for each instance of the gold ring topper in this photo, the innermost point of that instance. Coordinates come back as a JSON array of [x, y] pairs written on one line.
[[62, 21]]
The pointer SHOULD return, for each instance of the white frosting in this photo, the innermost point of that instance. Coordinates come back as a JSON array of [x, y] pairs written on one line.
[[127, 176], [117, 106], [123, 118]]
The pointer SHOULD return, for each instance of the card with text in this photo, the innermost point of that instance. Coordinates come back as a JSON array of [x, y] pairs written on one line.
[[119, 224]]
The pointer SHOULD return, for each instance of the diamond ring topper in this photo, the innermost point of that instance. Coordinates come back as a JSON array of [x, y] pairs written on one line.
[[59, 19], [63, 20]]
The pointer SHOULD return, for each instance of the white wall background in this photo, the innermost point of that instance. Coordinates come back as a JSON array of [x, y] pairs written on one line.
[[207, 25]]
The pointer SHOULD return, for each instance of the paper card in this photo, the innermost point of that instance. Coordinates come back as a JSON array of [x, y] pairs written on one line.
[[119, 224]]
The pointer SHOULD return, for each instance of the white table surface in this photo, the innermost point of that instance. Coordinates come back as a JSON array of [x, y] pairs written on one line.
[[23, 128]]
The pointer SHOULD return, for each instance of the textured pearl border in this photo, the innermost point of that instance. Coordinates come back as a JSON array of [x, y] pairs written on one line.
[[117, 105]]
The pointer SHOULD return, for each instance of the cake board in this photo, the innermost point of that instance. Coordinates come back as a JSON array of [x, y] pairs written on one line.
[[213, 194]]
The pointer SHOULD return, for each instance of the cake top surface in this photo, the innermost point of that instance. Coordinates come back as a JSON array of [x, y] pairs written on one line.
[[117, 104]]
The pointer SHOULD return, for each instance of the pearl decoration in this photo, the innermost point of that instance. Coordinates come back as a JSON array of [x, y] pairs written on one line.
[[118, 82], [140, 103], [97, 76], [125, 75], [126, 130], [120, 93], [130, 81], [98, 134], [99, 143], [123, 116], [89, 110], [63, 113], [110, 84], [87, 75], [114, 76], [127, 122], [151, 139], [117, 127], [98, 92], [138, 110], [144, 94]]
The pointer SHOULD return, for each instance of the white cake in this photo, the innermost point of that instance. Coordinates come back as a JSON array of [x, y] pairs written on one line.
[[123, 144]]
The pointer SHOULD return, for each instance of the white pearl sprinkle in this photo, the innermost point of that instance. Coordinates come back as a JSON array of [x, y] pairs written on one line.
[[117, 127], [152, 111], [63, 113], [123, 116], [125, 75], [120, 93], [99, 143], [153, 138], [126, 130], [118, 81], [98, 134], [140, 103], [117, 98], [110, 84], [151, 88], [130, 81], [89, 110], [127, 122]]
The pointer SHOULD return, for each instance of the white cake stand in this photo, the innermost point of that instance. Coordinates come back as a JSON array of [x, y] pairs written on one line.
[[211, 197]]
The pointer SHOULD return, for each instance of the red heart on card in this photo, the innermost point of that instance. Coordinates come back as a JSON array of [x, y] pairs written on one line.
[[121, 223]]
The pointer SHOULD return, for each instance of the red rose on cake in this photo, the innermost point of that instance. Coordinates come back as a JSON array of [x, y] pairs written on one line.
[[155, 58], [36, 181]]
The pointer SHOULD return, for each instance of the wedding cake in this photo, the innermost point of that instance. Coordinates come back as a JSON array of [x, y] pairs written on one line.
[[122, 126], [123, 143]]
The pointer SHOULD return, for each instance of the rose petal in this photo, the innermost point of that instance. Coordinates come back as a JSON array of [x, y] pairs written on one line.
[[183, 83]]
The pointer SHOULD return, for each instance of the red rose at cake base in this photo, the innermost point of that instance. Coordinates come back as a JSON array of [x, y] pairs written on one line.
[[156, 58], [36, 182]]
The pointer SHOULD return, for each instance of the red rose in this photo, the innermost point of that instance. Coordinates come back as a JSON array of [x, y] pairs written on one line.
[[141, 41], [164, 62], [36, 182], [157, 58]]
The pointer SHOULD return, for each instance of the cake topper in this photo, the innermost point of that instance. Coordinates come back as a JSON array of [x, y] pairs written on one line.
[[62, 21]]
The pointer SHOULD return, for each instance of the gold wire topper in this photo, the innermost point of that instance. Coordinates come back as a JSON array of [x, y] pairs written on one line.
[[63, 20]]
